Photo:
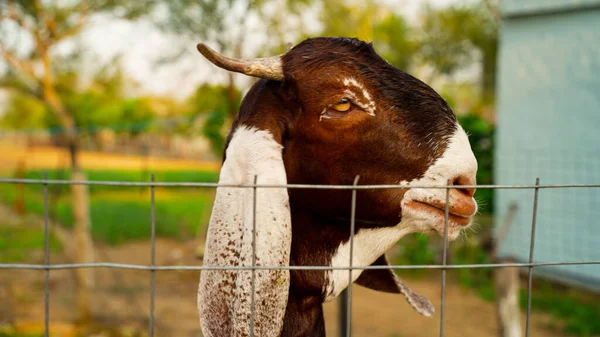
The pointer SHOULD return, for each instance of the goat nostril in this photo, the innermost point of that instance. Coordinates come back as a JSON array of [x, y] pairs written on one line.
[[463, 180]]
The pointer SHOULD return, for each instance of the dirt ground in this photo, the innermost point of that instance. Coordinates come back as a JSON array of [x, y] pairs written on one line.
[[121, 299]]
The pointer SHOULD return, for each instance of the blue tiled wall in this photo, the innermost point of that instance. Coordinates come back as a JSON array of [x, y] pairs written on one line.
[[548, 126]]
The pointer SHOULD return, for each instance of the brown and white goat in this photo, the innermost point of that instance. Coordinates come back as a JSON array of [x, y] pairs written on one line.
[[328, 110]]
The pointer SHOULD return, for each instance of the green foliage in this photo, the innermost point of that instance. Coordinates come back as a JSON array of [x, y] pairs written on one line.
[[213, 130], [16, 243], [392, 38], [23, 112], [208, 98], [102, 104], [415, 250], [33, 66], [477, 279], [454, 37], [210, 20], [365, 20], [10, 331], [217, 103], [576, 311]]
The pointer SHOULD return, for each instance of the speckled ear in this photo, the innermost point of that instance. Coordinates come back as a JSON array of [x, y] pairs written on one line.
[[225, 300], [387, 281]]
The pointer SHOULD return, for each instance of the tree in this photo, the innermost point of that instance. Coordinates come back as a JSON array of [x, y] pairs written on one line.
[[225, 24], [454, 37], [367, 21], [42, 26]]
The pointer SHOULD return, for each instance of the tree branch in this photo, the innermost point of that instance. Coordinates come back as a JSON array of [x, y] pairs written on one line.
[[73, 30], [52, 98], [82, 10], [17, 63], [12, 14]]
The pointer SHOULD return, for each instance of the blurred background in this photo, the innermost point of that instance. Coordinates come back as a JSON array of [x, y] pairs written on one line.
[[115, 90]]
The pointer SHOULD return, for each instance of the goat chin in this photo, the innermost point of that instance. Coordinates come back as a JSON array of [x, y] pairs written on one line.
[[428, 223]]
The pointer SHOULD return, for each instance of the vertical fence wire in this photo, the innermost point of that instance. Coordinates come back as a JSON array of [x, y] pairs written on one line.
[[444, 260], [352, 227], [46, 260], [531, 249], [152, 254], [253, 280]]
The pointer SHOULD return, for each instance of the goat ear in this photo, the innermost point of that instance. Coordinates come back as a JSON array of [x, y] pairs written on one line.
[[225, 296], [387, 281]]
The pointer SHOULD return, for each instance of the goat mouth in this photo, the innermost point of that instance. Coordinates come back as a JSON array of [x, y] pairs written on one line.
[[440, 210]]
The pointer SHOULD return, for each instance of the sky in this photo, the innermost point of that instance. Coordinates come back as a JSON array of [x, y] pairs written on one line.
[[139, 46]]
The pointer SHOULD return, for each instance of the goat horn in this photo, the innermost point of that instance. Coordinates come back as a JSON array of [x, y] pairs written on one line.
[[267, 67]]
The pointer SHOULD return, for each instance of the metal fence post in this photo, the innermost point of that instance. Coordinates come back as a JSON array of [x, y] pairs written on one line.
[[343, 313]]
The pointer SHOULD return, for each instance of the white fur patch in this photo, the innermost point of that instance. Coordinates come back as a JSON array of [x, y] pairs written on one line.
[[224, 297], [457, 160], [369, 244], [366, 102]]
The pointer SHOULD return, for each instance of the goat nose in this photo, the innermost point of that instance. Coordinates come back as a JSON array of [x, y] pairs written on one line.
[[465, 180]]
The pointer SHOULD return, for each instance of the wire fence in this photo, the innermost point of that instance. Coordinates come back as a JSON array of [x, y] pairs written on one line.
[[152, 267]]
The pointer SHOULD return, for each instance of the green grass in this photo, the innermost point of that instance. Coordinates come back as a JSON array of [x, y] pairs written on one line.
[[120, 214], [576, 310], [16, 243], [579, 313], [125, 216], [10, 332]]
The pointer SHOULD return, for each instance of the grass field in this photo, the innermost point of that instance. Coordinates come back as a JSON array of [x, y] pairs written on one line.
[[120, 214], [16, 243]]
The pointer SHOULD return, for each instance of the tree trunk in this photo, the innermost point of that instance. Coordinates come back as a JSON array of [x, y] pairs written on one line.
[[79, 193], [83, 240], [506, 282]]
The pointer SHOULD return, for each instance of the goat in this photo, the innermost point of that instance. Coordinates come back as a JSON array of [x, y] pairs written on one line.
[[326, 111]]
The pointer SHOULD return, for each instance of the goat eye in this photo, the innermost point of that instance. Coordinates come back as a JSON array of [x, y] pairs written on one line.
[[343, 105]]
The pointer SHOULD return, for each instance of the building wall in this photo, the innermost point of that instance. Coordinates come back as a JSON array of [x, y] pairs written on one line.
[[548, 126], [525, 7]]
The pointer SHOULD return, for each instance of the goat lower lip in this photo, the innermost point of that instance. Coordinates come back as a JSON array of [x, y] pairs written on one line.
[[458, 218]]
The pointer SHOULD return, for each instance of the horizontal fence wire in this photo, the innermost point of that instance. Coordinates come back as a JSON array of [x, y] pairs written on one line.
[[200, 268], [347, 328], [296, 186]]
